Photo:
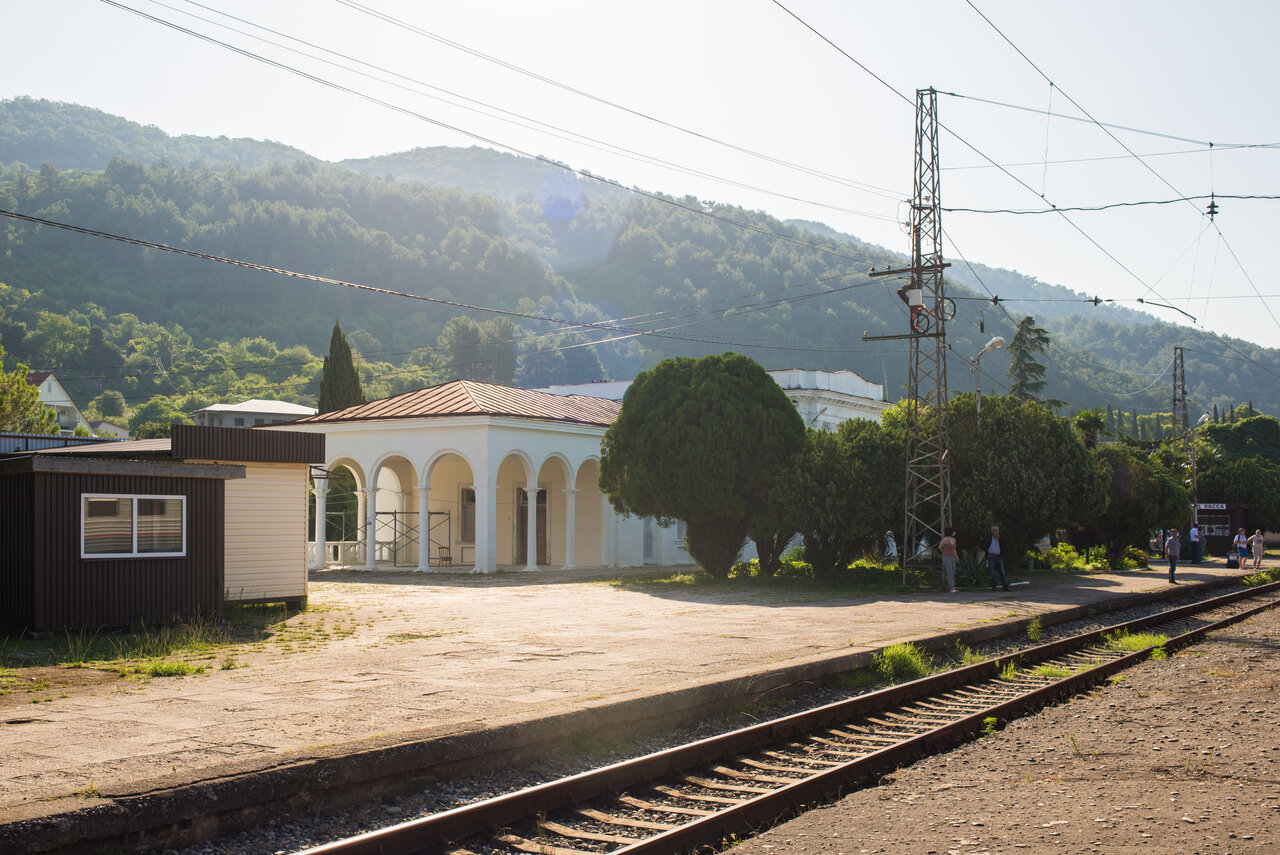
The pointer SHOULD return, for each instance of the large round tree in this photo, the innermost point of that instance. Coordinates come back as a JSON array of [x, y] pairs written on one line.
[[1023, 469], [701, 440]]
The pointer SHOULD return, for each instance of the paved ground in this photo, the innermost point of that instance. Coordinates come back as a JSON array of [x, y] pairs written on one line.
[[386, 658]]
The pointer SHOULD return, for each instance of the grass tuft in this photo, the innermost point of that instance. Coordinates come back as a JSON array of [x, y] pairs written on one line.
[[899, 663]]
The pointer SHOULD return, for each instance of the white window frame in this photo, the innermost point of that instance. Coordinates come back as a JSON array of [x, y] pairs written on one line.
[[133, 501]]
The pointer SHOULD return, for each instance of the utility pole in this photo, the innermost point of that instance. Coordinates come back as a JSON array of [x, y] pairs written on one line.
[[928, 485], [1180, 396]]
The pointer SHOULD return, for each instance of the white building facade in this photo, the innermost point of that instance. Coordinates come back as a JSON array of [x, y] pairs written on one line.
[[472, 476], [252, 413]]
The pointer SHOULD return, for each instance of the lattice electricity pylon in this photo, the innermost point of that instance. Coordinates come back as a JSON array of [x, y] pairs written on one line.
[[928, 493], [1180, 396]]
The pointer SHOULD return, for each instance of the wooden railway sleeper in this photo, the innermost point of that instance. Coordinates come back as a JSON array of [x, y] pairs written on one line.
[[695, 797], [774, 767], [709, 784], [626, 821], [739, 775], [582, 834], [778, 755], [537, 847], [644, 804]]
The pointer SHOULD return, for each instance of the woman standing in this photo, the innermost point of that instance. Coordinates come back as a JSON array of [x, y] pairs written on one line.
[[1256, 543], [1242, 547], [948, 549]]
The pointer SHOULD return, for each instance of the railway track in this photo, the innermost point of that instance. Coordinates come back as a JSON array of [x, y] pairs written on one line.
[[694, 796]]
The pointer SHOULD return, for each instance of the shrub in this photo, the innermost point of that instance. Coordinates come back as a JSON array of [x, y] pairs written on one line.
[[899, 663], [1063, 557]]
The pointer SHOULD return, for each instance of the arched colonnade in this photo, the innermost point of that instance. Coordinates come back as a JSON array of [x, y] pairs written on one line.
[[478, 493]]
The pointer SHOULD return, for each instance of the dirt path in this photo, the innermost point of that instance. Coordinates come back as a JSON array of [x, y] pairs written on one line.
[[1177, 756]]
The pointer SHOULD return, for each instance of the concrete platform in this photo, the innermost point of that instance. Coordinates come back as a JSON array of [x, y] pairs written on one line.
[[413, 675]]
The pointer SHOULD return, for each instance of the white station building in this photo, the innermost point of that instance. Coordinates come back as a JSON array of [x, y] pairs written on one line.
[[482, 477]]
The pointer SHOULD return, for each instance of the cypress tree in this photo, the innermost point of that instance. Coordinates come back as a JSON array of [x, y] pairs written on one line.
[[1216, 418], [340, 384]]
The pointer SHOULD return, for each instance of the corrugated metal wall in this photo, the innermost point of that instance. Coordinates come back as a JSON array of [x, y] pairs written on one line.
[[17, 577], [266, 541], [113, 592], [192, 442]]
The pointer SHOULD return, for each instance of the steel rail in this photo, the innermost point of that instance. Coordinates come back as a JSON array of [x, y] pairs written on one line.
[[431, 833]]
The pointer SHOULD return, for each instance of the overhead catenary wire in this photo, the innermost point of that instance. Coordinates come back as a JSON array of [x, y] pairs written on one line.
[[657, 197], [1108, 132], [519, 119], [612, 329], [615, 105], [1055, 209]]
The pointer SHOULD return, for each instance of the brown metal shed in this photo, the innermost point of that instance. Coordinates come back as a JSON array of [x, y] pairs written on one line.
[[53, 573]]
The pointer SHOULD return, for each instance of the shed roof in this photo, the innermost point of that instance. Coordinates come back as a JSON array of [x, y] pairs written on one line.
[[469, 398], [191, 442]]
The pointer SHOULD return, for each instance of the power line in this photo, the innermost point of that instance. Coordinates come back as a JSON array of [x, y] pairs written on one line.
[[657, 197], [1055, 209], [1089, 120], [519, 119], [870, 188]]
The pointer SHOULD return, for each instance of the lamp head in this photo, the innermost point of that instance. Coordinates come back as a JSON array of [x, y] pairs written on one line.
[[997, 341], [1204, 418]]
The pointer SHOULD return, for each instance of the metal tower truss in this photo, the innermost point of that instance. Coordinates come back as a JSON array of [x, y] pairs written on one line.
[[928, 489], [1180, 397]]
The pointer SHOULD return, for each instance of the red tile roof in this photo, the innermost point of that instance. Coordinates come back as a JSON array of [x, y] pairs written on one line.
[[35, 378], [468, 398]]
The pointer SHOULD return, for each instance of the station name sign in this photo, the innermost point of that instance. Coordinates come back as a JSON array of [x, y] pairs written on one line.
[[1211, 506]]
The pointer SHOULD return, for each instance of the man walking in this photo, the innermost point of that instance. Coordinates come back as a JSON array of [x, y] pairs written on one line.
[[995, 561], [1172, 547]]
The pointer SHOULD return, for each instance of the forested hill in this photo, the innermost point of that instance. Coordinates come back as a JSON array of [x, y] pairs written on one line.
[[687, 277], [74, 137]]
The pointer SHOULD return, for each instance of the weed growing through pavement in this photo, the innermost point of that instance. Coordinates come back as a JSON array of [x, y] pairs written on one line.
[[1009, 672], [1075, 749], [172, 669], [1262, 577], [899, 663], [964, 654], [1035, 631], [1135, 641], [151, 650], [989, 725], [1053, 672], [89, 792]]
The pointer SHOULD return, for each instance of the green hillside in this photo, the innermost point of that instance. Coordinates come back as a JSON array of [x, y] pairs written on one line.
[[657, 277]]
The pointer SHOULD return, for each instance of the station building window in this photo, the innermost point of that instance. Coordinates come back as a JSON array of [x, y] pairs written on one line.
[[119, 526]]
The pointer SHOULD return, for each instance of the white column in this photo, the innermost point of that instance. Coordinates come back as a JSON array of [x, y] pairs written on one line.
[[609, 522], [570, 529], [424, 525], [531, 533], [321, 554], [486, 526], [370, 539]]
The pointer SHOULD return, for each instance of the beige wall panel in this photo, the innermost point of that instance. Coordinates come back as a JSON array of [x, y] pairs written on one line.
[[266, 533]]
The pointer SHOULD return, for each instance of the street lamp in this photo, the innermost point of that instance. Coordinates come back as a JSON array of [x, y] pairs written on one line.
[[1195, 502], [976, 367]]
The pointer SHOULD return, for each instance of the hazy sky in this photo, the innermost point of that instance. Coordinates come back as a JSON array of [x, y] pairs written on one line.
[[703, 80]]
